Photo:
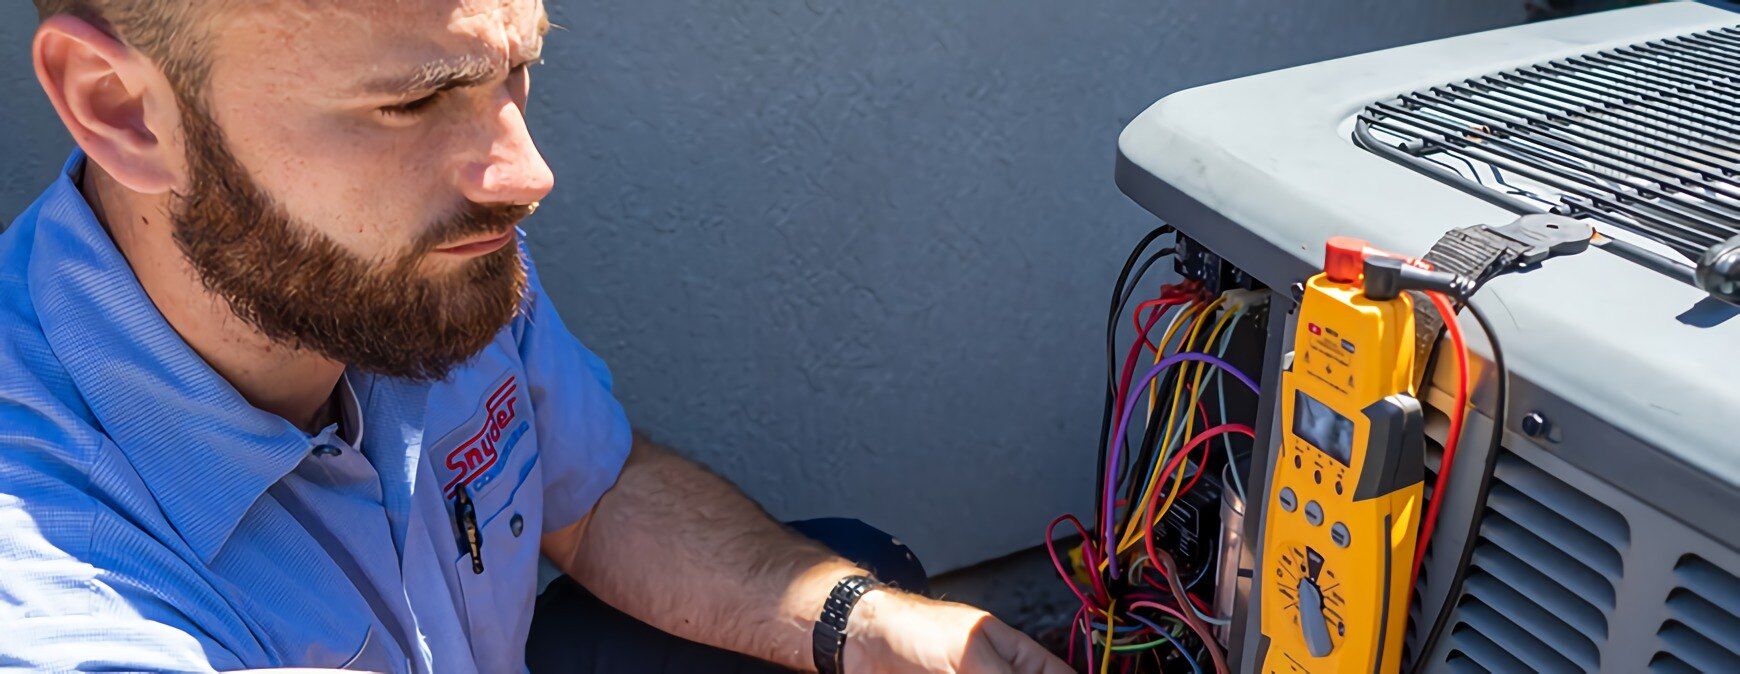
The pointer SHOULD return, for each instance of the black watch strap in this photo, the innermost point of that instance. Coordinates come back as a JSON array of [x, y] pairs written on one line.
[[828, 641]]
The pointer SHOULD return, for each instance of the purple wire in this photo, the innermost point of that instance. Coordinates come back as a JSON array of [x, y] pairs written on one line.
[[1124, 426]]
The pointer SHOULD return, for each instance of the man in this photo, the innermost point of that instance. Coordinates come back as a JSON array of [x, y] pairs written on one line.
[[279, 386]]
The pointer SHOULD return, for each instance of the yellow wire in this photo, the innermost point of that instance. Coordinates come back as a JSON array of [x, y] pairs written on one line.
[[1172, 328], [1189, 429], [1106, 662], [1133, 528]]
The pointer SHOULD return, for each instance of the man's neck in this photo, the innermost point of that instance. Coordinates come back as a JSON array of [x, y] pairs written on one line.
[[290, 383]]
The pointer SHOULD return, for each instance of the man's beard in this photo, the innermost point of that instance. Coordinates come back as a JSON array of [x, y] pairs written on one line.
[[300, 288]]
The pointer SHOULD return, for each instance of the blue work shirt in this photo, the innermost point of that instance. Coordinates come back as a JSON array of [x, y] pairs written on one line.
[[151, 519]]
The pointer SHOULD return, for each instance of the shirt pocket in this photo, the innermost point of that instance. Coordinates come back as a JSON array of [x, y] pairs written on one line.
[[498, 601]]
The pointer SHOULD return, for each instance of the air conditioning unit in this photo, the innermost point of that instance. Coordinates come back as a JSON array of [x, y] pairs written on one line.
[[1608, 539]]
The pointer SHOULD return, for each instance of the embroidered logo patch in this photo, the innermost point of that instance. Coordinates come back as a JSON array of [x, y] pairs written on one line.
[[478, 460]]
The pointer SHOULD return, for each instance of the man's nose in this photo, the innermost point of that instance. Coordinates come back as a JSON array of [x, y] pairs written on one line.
[[511, 171]]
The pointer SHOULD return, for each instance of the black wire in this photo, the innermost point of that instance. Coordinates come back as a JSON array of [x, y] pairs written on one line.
[[1129, 292], [1453, 595], [1136, 281], [1119, 298]]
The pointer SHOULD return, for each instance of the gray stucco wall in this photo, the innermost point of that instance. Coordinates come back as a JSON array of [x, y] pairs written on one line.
[[855, 255]]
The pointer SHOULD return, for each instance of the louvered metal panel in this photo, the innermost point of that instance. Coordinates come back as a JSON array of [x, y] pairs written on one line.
[[1540, 590], [1702, 632]]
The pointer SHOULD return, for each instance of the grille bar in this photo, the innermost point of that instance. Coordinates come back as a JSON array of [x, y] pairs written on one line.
[[1644, 138]]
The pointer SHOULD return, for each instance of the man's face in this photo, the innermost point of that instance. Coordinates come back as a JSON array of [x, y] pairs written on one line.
[[355, 170]]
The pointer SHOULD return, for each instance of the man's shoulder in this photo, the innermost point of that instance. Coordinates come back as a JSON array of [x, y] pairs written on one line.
[[49, 441]]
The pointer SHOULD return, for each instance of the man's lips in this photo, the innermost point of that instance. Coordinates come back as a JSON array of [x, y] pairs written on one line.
[[477, 245]]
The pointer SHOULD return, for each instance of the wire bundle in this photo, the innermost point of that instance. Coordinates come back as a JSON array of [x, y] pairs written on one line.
[[1134, 601], [1135, 605]]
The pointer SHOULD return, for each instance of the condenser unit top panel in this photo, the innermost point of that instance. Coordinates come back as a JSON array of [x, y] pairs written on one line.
[[1264, 169]]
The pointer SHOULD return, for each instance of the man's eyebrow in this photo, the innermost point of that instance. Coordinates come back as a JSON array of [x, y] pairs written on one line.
[[440, 75], [432, 76]]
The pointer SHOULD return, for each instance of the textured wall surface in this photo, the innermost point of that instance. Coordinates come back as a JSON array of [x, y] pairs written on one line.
[[855, 255]]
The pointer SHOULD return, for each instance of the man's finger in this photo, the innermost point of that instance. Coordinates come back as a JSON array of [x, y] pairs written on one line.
[[982, 657], [1023, 654]]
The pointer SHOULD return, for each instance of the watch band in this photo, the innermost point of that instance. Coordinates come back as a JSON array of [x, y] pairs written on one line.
[[828, 641]]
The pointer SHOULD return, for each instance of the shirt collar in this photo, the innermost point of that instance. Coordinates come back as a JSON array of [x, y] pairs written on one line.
[[205, 453], [350, 410]]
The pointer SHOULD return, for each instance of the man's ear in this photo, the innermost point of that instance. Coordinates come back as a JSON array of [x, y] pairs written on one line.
[[114, 101]]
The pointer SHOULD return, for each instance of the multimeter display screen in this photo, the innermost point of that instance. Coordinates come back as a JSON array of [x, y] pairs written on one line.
[[1326, 430]]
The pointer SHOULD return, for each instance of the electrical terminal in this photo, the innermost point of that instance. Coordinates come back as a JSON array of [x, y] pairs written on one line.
[[1242, 299]]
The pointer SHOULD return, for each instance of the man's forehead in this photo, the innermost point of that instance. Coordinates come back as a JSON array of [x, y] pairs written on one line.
[[340, 41]]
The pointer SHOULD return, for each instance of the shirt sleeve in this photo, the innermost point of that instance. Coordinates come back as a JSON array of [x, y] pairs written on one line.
[[76, 613], [583, 434]]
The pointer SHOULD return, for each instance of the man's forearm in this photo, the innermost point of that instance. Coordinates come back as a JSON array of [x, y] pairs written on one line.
[[683, 550]]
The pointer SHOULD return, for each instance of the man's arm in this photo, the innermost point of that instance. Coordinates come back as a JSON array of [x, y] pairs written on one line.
[[683, 550]]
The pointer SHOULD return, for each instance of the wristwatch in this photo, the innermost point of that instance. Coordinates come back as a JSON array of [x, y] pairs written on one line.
[[828, 641]]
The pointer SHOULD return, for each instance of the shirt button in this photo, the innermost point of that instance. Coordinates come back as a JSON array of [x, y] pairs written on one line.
[[517, 525], [327, 450]]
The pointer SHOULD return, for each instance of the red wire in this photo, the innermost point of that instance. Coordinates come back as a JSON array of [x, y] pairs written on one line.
[[1170, 295], [1088, 557], [1131, 358], [1451, 438], [1171, 465], [1075, 625], [1159, 305], [1051, 549]]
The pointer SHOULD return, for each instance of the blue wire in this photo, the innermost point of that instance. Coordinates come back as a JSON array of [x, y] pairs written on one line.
[[1121, 629], [1187, 657]]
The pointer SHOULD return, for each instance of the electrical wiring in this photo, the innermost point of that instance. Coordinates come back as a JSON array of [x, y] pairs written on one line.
[[1195, 667], [1062, 573], [1144, 470], [1196, 389], [1136, 349], [1088, 650], [1202, 632], [1148, 516], [1122, 429], [1111, 624], [1453, 594], [1452, 438], [1238, 484], [1130, 534], [1119, 297], [1172, 295]]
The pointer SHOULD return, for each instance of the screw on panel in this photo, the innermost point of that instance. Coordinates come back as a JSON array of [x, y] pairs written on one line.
[[1535, 425]]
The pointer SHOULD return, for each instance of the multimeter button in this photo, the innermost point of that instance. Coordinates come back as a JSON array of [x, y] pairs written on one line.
[[1289, 501], [1338, 534], [1313, 513]]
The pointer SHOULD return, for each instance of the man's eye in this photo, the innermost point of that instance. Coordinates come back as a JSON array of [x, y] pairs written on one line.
[[410, 107]]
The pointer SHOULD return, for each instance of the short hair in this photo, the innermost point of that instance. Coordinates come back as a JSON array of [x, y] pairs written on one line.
[[169, 32]]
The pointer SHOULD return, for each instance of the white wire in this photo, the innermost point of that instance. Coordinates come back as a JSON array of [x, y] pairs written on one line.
[[1220, 391]]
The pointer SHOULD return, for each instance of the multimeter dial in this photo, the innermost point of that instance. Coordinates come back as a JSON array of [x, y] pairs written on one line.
[[1313, 600]]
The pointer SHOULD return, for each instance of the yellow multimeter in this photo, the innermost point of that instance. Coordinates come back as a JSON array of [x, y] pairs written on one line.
[[1345, 495]]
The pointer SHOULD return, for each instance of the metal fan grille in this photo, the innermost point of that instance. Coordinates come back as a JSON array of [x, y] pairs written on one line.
[[1644, 137]]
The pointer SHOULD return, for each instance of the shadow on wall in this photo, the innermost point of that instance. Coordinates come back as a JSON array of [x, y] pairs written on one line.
[[854, 255]]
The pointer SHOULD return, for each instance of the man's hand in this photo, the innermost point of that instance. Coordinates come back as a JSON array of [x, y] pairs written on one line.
[[895, 633]]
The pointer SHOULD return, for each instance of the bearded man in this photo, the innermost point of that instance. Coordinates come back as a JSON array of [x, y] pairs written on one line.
[[280, 388]]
